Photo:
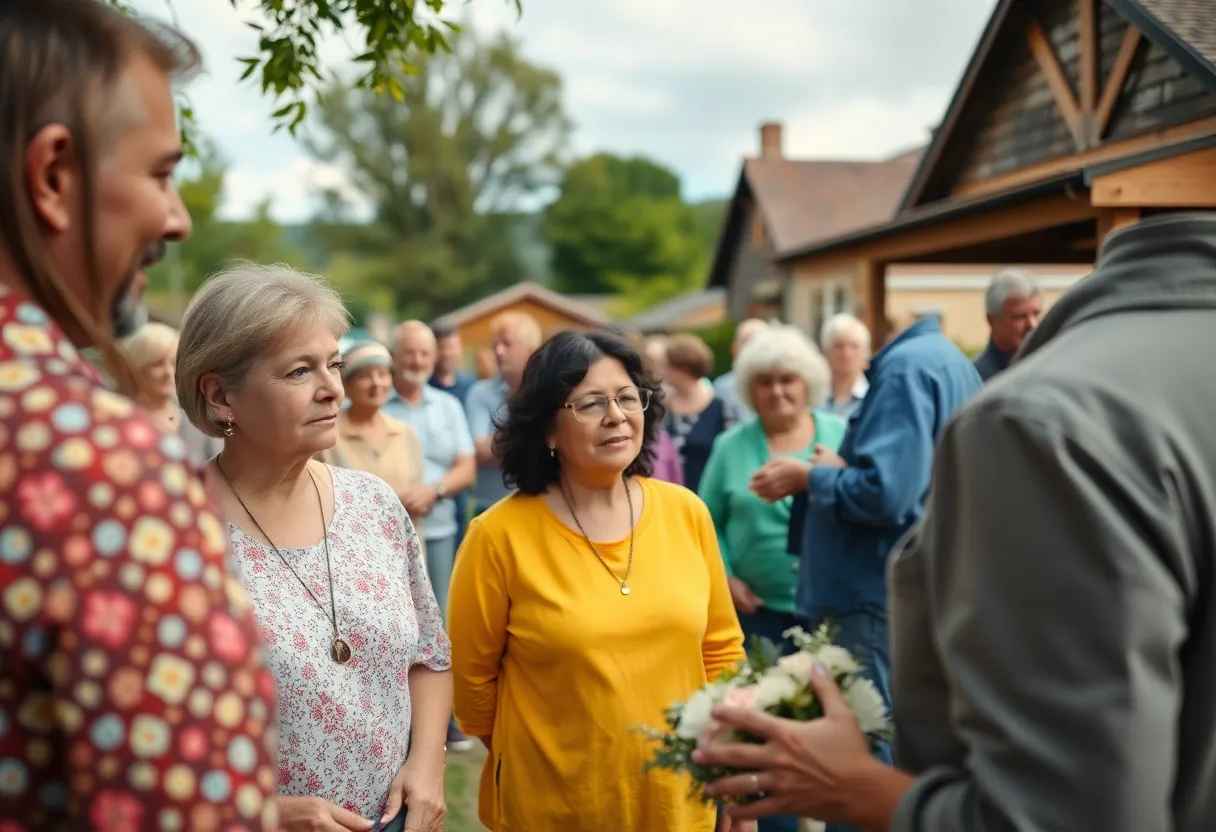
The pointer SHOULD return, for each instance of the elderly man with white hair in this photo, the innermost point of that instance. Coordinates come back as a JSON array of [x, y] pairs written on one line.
[[724, 385], [846, 344], [1014, 304]]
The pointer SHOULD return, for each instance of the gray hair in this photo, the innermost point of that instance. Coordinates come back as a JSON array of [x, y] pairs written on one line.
[[238, 315], [782, 347], [838, 325], [1010, 283], [406, 327]]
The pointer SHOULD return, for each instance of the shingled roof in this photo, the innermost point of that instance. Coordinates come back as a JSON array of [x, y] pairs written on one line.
[[1184, 28], [801, 202]]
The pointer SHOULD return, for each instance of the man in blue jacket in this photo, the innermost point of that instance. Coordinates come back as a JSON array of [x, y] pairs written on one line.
[[862, 500]]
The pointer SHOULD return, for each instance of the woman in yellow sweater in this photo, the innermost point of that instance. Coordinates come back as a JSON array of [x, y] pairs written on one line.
[[585, 603]]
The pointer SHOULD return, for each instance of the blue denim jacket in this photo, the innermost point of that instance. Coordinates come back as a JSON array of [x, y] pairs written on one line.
[[856, 514]]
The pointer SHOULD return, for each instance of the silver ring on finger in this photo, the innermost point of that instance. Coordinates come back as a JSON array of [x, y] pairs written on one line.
[[756, 783]]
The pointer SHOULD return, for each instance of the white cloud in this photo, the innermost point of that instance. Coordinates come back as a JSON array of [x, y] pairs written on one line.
[[684, 81], [293, 190], [863, 127]]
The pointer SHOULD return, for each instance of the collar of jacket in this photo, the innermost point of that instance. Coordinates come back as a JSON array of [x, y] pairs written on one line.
[[1161, 263]]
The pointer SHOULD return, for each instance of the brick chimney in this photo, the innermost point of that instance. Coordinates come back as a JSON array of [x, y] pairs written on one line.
[[770, 140]]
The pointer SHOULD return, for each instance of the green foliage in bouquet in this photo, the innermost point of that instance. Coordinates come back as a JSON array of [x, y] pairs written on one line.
[[766, 681]]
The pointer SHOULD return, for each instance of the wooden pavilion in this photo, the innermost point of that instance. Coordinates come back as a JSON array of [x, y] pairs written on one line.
[[1074, 117]]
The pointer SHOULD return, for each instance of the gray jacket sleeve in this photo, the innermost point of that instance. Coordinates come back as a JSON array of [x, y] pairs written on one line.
[[1055, 577]]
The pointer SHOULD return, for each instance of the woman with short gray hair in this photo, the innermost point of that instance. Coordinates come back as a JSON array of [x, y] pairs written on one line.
[[328, 555], [784, 380]]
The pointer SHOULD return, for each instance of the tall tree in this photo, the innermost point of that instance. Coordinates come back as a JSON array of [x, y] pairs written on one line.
[[214, 241], [385, 34], [479, 130], [619, 224]]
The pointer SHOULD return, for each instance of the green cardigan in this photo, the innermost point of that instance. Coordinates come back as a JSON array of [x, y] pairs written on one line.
[[752, 533]]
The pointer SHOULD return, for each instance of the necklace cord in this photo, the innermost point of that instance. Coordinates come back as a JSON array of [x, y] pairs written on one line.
[[629, 566], [333, 608]]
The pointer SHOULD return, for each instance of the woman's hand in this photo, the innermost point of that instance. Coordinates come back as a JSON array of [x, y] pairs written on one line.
[[819, 769], [825, 457], [312, 814], [746, 601], [780, 478], [419, 784]]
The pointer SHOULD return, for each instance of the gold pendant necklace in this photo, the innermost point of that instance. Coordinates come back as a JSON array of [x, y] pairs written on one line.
[[339, 650], [624, 582]]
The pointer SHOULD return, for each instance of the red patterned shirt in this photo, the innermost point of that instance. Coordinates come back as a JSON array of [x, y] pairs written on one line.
[[132, 690]]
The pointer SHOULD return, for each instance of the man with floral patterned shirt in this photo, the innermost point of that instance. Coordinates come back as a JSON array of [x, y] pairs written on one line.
[[132, 690]]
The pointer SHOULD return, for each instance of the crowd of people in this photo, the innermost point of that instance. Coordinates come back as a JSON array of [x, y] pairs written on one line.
[[253, 581]]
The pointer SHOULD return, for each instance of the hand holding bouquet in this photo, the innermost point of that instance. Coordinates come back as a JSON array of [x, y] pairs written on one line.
[[780, 687]]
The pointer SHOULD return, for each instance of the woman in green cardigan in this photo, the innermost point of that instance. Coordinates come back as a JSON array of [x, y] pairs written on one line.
[[783, 378]]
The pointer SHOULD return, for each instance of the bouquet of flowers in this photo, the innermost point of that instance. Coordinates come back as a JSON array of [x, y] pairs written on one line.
[[778, 685]]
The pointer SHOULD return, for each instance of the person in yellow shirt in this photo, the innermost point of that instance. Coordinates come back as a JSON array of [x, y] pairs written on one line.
[[585, 603]]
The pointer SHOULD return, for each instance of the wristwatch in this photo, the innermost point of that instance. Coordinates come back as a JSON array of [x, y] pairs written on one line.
[[441, 493]]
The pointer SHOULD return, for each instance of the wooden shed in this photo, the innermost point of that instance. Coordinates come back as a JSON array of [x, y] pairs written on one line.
[[1073, 117], [554, 313]]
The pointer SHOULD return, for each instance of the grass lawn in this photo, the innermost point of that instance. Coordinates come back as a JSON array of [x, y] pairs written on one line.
[[460, 784]]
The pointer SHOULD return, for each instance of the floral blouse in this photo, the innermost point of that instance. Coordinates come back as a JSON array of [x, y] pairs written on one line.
[[132, 692], [345, 729]]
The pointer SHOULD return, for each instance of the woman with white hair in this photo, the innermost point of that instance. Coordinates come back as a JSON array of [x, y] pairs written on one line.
[[782, 378], [846, 344], [151, 353], [328, 556]]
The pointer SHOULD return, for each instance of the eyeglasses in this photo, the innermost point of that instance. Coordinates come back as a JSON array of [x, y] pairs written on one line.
[[592, 408]]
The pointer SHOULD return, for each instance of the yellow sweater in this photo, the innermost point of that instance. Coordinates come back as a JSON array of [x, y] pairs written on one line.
[[558, 667]]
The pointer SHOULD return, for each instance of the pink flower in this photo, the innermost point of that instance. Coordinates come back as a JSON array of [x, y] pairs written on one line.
[[740, 697], [227, 640], [108, 618], [116, 812], [715, 731], [46, 500]]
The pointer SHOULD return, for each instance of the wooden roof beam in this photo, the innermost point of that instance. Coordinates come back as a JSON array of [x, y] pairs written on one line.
[[1088, 68], [1116, 80], [1061, 89]]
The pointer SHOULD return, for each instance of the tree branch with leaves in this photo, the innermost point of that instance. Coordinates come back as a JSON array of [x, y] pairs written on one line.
[[387, 35]]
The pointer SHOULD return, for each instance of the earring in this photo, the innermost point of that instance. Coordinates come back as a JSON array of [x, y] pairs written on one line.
[[552, 451], [228, 430]]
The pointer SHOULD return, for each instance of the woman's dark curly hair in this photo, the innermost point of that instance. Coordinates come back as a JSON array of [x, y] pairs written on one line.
[[521, 437]]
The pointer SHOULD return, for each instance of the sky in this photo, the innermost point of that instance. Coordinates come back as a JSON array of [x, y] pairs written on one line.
[[684, 82]]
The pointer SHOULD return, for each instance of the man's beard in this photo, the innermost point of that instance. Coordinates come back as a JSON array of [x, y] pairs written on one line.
[[415, 377], [129, 312]]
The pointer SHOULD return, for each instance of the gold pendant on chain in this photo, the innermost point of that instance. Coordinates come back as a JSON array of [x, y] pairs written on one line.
[[624, 588], [341, 650]]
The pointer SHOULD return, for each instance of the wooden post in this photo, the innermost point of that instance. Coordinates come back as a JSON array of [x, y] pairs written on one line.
[[1111, 219], [874, 291]]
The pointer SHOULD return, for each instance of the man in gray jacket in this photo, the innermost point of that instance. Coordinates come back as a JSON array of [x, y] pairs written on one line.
[[1053, 620]]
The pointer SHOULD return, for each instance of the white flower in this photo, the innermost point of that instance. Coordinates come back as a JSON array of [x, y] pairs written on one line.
[[774, 687], [797, 666], [695, 716], [837, 660], [866, 703]]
